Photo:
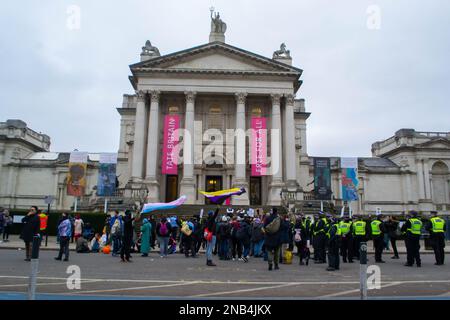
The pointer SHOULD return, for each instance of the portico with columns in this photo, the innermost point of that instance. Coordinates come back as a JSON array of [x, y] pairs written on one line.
[[214, 88]]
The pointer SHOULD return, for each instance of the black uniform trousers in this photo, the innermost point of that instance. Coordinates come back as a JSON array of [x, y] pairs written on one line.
[[378, 243], [347, 248], [412, 243], [438, 244], [126, 248], [333, 255], [321, 247]]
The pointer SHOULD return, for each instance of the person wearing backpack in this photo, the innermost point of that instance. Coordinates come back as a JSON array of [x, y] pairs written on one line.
[[272, 240], [187, 231], [257, 238], [236, 244], [163, 232], [244, 235], [116, 233]]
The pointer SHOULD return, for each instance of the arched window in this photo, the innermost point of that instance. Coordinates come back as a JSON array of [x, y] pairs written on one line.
[[439, 181]]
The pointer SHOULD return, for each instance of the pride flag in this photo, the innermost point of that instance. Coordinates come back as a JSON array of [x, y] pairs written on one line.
[[218, 197], [149, 207]]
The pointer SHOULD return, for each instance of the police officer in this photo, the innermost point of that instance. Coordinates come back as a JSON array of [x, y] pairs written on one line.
[[437, 228], [360, 232], [378, 230], [333, 243], [412, 228], [345, 227], [314, 236], [320, 234]]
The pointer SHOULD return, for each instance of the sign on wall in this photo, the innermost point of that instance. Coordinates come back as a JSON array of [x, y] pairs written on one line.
[[76, 178], [349, 172], [170, 144], [106, 184], [259, 146]]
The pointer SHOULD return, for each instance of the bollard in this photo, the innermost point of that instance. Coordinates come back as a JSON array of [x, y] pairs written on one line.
[[34, 267], [363, 270]]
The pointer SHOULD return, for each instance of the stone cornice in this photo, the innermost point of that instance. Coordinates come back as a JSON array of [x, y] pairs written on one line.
[[214, 71]]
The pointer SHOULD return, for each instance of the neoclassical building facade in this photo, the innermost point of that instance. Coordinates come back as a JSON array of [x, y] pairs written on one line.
[[214, 92]]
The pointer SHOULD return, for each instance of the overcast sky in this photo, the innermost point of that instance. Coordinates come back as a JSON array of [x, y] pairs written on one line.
[[360, 84]]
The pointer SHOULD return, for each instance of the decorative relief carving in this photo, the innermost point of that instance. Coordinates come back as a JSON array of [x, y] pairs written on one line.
[[190, 96], [240, 97], [275, 98], [140, 95], [154, 95], [289, 99]]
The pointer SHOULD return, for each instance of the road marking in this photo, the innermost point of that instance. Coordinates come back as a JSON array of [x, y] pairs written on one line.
[[43, 284], [136, 288], [342, 293], [243, 290]]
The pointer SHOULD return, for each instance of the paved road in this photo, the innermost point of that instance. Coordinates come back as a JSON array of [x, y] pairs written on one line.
[[179, 277]]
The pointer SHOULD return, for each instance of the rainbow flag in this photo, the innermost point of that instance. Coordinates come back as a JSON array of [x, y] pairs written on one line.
[[149, 207], [218, 197]]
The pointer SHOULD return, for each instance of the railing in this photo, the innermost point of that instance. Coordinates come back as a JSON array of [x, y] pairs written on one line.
[[434, 134], [307, 196]]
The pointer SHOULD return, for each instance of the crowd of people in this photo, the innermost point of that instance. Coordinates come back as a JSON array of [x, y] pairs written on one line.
[[240, 234]]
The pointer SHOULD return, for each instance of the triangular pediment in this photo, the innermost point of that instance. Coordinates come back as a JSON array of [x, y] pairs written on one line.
[[216, 57], [439, 143]]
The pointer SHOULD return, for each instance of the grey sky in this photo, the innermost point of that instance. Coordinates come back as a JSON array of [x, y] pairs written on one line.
[[360, 85]]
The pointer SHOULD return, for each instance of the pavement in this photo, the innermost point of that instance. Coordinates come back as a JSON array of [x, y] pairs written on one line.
[[17, 244], [105, 277]]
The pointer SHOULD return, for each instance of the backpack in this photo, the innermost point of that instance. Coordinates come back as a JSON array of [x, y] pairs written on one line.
[[274, 226], [242, 233], [163, 230], [297, 237], [186, 230], [115, 230]]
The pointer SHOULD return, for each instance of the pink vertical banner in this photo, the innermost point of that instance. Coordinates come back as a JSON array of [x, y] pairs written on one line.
[[170, 146], [259, 146]]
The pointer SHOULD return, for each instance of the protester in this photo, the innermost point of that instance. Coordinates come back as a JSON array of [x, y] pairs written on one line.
[[8, 222], [223, 237], [2, 222], [64, 233], [95, 244], [127, 237], [82, 245], [284, 236], [244, 236], [236, 244], [393, 231], [78, 227], [187, 230], [116, 233], [146, 231], [30, 229], [272, 240], [163, 232], [257, 237], [211, 236]]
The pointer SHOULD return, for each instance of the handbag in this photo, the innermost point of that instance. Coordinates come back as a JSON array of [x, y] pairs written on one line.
[[208, 234]]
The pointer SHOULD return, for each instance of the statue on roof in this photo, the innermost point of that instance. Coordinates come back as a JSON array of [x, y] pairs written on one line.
[[150, 50], [282, 53], [217, 25]]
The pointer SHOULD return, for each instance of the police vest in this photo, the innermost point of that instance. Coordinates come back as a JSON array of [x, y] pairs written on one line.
[[43, 218], [344, 227], [324, 227], [438, 224], [416, 226], [359, 228], [375, 225], [338, 230]]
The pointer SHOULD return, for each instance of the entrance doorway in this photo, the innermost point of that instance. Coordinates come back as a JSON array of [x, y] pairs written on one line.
[[255, 191], [213, 183], [171, 188]]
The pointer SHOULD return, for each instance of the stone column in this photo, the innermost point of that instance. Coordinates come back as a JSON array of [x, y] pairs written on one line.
[[240, 179], [420, 180], [139, 139], [289, 143], [276, 169], [153, 148], [187, 184], [426, 171]]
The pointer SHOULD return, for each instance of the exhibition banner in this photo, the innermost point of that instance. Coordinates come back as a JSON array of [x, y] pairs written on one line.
[[106, 184], [349, 172], [259, 146], [170, 146], [76, 178], [322, 178]]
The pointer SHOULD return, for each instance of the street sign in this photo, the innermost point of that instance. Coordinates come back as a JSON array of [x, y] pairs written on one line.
[[49, 199]]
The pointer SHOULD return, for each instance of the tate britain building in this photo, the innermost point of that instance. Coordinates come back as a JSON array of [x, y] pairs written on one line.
[[215, 117]]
